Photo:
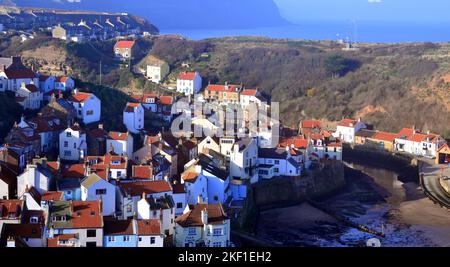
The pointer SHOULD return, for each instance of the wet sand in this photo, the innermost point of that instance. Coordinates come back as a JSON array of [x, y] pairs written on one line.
[[376, 199]]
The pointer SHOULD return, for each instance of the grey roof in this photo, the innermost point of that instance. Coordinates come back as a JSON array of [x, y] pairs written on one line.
[[163, 202], [68, 183], [365, 133], [209, 167], [272, 153], [294, 163], [243, 143]]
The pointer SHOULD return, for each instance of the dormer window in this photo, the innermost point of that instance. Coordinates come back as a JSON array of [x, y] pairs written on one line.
[[34, 220], [115, 162], [59, 218]]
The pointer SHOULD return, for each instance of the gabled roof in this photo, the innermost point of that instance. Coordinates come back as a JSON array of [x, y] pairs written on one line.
[[310, 124], [299, 142], [405, 133], [137, 188], [78, 214], [189, 76], [272, 153], [91, 180], [124, 44], [347, 123], [193, 218], [80, 97], [114, 227], [189, 176], [224, 88], [385, 136], [22, 231], [142, 172], [10, 207], [22, 73], [249, 92], [129, 108], [148, 227], [118, 136], [165, 100]]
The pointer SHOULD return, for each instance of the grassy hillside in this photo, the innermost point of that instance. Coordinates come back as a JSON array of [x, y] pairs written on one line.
[[390, 86]]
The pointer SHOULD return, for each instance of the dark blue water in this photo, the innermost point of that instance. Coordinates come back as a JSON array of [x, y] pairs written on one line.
[[374, 32]]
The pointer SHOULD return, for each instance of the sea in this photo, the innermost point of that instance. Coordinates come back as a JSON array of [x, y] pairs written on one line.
[[366, 32]]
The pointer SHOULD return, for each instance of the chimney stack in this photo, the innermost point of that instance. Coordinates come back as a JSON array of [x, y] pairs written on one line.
[[204, 215]]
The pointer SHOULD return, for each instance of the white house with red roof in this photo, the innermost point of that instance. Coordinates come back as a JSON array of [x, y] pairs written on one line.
[[87, 105], [133, 117], [120, 143], [29, 96], [72, 143], [189, 83], [203, 225], [125, 49], [16, 73], [149, 233], [95, 188], [410, 141], [347, 128], [64, 83], [149, 101]]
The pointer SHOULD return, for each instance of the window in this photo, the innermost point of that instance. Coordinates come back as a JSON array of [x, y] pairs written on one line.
[[140, 239], [100, 191], [89, 112], [179, 205], [277, 162], [276, 170], [152, 240], [91, 233], [216, 198], [33, 220], [217, 232], [129, 208], [75, 145], [66, 144], [68, 134], [119, 174], [126, 239], [192, 231], [111, 239]]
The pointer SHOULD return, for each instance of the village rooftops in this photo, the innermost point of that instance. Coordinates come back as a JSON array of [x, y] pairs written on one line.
[[23, 73], [74, 171], [193, 218], [385, 136], [11, 209], [75, 214], [187, 76], [310, 124], [219, 173], [62, 240], [24, 231], [142, 172], [298, 142], [115, 227], [148, 227], [137, 188], [231, 88]]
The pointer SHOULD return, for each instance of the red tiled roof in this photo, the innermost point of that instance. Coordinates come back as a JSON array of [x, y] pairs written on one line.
[[149, 187], [148, 227], [165, 100], [189, 177], [54, 242], [131, 106], [216, 215], [118, 136], [347, 123], [124, 44], [62, 79], [417, 137], [385, 136], [80, 97], [23, 230], [87, 214], [298, 142], [142, 172], [187, 76], [310, 124], [223, 88], [12, 206], [74, 171], [406, 132], [249, 92], [51, 196]]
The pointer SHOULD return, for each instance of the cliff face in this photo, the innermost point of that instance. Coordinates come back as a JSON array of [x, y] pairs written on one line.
[[176, 14]]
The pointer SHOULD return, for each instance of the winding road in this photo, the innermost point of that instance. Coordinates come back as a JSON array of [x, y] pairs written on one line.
[[429, 175]]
